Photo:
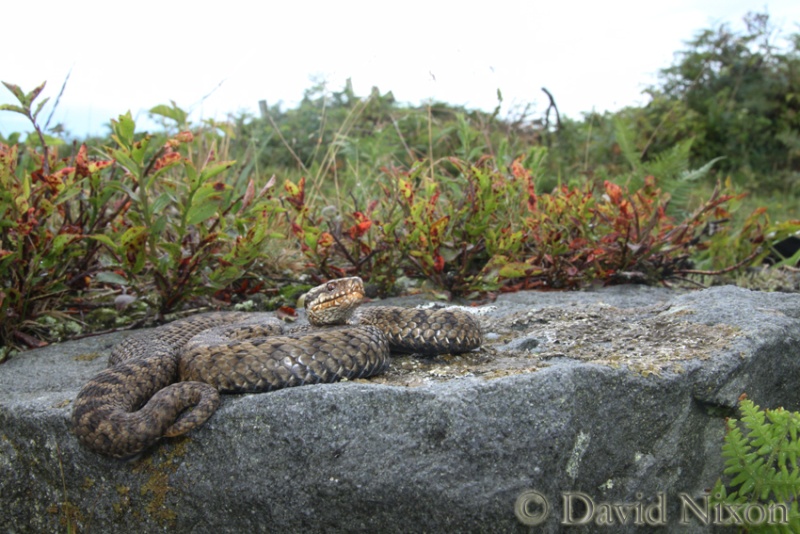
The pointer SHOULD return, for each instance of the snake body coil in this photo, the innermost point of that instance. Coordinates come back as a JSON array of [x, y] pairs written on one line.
[[166, 381]]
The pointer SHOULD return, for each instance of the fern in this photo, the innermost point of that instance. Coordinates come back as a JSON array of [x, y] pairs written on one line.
[[672, 163], [670, 167], [691, 175], [625, 137], [761, 454]]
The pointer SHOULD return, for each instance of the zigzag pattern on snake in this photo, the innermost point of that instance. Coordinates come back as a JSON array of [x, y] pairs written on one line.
[[167, 381]]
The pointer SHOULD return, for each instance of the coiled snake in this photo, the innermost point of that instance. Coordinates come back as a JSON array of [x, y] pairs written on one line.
[[167, 381]]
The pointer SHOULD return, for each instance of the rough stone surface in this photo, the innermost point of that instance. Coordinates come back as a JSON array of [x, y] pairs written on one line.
[[620, 393]]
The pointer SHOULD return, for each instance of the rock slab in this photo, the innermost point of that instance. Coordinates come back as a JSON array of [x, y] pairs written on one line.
[[457, 452]]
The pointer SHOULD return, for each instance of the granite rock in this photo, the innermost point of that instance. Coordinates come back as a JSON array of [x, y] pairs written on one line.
[[619, 393]]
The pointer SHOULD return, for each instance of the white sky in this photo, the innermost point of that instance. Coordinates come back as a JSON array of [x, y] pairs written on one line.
[[134, 55]]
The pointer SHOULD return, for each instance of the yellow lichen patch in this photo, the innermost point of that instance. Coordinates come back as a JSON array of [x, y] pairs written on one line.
[[87, 356], [124, 503], [158, 467], [68, 515], [158, 486]]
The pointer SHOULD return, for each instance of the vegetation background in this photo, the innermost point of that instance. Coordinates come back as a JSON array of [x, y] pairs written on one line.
[[250, 211]]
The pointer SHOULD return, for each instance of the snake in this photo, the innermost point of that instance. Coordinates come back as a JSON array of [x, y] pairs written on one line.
[[166, 381]]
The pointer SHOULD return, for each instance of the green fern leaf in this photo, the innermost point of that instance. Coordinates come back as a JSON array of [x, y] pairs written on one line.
[[761, 451], [625, 137], [692, 175]]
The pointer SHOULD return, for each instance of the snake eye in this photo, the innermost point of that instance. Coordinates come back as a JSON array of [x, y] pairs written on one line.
[[331, 286]]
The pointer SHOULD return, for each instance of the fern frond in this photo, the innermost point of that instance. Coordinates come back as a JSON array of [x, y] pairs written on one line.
[[761, 451], [672, 163], [626, 137], [692, 175]]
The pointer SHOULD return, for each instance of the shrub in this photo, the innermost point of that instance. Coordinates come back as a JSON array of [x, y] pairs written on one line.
[[46, 208], [184, 229], [475, 227], [146, 216]]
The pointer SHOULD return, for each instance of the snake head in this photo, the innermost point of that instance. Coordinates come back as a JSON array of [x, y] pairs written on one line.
[[334, 302]]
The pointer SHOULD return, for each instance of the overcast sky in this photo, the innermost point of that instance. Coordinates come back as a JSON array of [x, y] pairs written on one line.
[[222, 57]]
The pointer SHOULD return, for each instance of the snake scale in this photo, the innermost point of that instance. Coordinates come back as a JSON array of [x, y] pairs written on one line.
[[166, 381]]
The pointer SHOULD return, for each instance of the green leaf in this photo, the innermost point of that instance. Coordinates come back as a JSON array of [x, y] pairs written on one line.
[[118, 187], [201, 212], [138, 264], [108, 277], [62, 240], [174, 112], [161, 203], [139, 150], [514, 270], [311, 238], [110, 243], [124, 159], [226, 275], [133, 237], [160, 224], [213, 191], [11, 107], [213, 170], [30, 97], [124, 128], [18, 93], [191, 172]]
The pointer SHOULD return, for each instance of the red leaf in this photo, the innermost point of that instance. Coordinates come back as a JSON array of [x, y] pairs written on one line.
[[167, 159], [361, 227], [325, 240], [438, 263], [285, 313], [532, 199], [297, 193], [577, 243], [55, 179], [614, 192], [82, 162], [518, 170], [438, 228], [85, 166], [30, 341], [432, 202]]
